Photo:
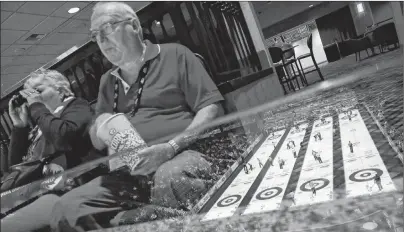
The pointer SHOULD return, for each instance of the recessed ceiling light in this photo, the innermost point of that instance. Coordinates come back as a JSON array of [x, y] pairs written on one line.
[[369, 226], [311, 6], [73, 10], [360, 8]]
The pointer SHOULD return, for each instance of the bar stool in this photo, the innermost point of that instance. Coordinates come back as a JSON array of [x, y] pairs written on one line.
[[310, 45], [289, 59], [284, 78]]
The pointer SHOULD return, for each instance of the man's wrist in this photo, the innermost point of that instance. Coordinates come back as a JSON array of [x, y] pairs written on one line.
[[175, 146]]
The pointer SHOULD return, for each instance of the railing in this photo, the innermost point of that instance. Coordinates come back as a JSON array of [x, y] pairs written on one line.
[[378, 23], [216, 30]]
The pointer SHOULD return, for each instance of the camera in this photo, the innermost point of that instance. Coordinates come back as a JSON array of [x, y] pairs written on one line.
[[19, 100]]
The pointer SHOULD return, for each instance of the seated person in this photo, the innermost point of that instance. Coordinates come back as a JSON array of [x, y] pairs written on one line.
[[62, 123], [175, 97]]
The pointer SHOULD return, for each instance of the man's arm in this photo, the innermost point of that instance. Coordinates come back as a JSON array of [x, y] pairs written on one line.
[[202, 117], [152, 157]]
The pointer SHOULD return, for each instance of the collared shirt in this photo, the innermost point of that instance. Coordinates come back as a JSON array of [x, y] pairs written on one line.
[[176, 87], [126, 86]]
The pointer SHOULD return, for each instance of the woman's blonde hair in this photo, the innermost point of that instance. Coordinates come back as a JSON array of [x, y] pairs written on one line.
[[55, 78]]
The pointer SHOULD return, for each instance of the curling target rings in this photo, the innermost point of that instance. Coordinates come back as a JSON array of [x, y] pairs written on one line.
[[365, 174], [230, 200], [319, 184], [269, 193]]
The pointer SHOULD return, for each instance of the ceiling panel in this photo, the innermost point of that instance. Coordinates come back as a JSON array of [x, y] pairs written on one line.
[[15, 50], [62, 11], [5, 61], [41, 8], [48, 49], [137, 5], [21, 21], [270, 14], [10, 6], [7, 81], [4, 15], [77, 26], [9, 37], [85, 13], [25, 60], [3, 47], [66, 38], [48, 25], [21, 68]]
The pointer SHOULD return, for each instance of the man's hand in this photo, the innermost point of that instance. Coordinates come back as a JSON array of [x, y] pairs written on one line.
[[151, 158], [31, 95], [52, 169]]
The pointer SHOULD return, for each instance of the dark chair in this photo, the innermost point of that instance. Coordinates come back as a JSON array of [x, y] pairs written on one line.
[[289, 58], [284, 78], [385, 35], [310, 45]]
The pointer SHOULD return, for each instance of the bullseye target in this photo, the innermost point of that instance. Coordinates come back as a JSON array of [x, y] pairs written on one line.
[[318, 184], [230, 200], [269, 193], [347, 118], [365, 174]]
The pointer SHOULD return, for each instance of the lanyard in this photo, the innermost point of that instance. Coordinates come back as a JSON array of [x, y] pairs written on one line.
[[142, 77]]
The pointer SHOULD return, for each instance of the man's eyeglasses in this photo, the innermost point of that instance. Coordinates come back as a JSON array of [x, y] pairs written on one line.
[[105, 29]]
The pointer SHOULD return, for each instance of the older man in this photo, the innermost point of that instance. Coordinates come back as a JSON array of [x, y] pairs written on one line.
[[166, 93]]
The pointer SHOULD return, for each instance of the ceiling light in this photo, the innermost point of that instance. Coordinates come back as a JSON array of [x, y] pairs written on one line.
[[73, 10], [311, 6], [369, 226], [360, 8]]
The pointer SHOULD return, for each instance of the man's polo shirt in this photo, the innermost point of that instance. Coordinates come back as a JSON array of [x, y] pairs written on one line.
[[176, 87]]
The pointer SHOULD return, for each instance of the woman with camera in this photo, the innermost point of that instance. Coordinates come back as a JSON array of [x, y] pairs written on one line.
[[50, 125]]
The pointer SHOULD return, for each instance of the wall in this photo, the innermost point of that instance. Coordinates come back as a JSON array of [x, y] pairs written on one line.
[[256, 34], [361, 20], [398, 13], [269, 14], [318, 50], [341, 29], [311, 14], [381, 11]]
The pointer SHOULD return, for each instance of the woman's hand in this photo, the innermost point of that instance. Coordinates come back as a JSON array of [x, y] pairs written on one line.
[[18, 115], [31, 95], [52, 169]]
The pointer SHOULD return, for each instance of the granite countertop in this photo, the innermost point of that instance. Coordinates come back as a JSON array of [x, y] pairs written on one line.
[[383, 210]]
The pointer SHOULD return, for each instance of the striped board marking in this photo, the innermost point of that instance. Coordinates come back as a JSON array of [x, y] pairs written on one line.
[[231, 198]]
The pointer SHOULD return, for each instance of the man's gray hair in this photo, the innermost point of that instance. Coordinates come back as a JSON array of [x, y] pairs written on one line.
[[55, 78], [122, 11]]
